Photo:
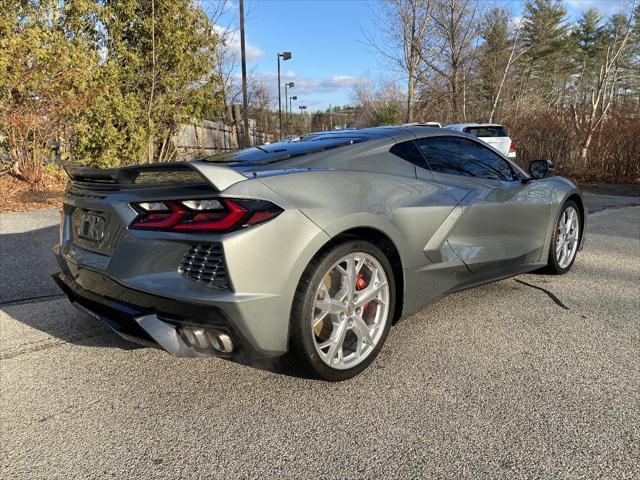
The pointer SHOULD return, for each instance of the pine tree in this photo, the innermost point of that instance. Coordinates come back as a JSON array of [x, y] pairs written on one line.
[[546, 37], [493, 56], [589, 35], [47, 63], [627, 68], [163, 52]]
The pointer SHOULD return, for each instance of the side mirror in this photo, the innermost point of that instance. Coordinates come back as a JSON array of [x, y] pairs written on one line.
[[540, 168]]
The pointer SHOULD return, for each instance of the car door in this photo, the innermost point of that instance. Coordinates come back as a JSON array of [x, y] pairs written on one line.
[[502, 222]]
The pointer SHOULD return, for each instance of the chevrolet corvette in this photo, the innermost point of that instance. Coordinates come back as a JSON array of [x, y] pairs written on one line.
[[311, 249]]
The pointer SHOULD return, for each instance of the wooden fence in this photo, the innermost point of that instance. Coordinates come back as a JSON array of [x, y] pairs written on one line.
[[210, 137]]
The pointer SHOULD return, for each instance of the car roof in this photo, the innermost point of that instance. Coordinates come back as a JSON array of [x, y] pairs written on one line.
[[397, 132], [464, 125], [318, 142]]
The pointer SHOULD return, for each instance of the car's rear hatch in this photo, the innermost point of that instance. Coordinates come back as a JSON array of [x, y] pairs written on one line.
[[494, 135], [97, 209]]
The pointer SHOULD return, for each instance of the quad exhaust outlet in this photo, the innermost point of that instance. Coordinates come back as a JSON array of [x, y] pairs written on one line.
[[203, 339]]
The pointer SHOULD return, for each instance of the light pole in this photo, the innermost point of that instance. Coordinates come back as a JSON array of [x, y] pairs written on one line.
[[291, 99], [302, 107], [245, 100], [285, 56], [286, 115]]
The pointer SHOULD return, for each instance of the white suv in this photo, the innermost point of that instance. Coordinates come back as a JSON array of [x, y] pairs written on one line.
[[491, 133]]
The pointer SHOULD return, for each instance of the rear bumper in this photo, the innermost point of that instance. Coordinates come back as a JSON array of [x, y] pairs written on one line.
[[143, 273], [151, 320]]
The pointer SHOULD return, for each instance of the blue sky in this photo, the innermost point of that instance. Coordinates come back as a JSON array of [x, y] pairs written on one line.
[[325, 39]]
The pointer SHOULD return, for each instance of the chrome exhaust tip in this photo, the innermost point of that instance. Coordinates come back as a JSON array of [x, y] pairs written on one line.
[[204, 339], [221, 341]]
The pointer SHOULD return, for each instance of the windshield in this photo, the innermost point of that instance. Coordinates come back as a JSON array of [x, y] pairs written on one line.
[[495, 131], [286, 149]]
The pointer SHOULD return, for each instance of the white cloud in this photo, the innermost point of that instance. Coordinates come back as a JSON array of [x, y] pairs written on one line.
[[231, 38], [604, 7], [307, 86], [313, 92], [340, 82]]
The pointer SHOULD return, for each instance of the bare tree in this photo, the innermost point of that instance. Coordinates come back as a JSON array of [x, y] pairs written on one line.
[[379, 104], [227, 59], [587, 118], [513, 58], [450, 50], [261, 103], [401, 28]]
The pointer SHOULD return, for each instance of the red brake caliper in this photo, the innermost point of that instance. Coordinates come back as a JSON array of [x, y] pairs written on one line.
[[361, 284]]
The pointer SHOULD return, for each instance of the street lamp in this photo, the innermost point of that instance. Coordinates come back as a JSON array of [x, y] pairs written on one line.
[[290, 85], [302, 107], [285, 56], [287, 85], [291, 99]]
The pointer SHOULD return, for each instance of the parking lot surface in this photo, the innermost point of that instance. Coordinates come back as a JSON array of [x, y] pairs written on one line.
[[532, 377]]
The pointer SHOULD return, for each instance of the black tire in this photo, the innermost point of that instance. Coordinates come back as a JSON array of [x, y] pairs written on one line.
[[553, 267], [302, 351]]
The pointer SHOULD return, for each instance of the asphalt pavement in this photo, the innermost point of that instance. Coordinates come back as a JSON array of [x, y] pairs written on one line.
[[531, 377]]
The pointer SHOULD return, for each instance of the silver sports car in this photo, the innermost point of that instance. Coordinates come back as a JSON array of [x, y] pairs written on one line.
[[312, 248]]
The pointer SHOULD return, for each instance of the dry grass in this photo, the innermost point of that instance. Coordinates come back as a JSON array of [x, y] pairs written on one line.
[[17, 195], [614, 154]]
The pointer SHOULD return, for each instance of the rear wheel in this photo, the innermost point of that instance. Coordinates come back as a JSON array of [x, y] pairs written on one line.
[[565, 240], [342, 310]]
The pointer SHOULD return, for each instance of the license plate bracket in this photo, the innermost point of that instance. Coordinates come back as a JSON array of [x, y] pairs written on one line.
[[91, 227]]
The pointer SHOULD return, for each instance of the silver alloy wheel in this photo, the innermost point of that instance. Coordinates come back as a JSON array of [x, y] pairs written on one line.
[[350, 310], [567, 236]]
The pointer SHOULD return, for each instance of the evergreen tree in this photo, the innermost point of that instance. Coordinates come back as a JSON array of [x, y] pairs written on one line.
[[634, 83], [158, 72], [626, 66], [589, 35], [545, 35], [493, 56], [47, 64], [102, 82]]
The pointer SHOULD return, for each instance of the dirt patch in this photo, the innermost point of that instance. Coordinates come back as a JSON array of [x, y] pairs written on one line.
[[17, 195], [612, 189]]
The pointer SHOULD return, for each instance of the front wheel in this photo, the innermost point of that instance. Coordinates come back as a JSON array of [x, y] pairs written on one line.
[[342, 310], [565, 240]]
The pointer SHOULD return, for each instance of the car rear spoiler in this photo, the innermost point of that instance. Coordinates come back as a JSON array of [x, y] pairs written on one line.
[[176, 173]]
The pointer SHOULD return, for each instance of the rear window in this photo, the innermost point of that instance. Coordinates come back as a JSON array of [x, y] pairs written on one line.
[[409, 152], [284, 150], [487, 131]]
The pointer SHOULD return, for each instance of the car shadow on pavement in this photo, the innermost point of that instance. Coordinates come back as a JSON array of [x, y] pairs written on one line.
[[28, 295], [27, 263], [63, 323], [58, 319], [278, 365]]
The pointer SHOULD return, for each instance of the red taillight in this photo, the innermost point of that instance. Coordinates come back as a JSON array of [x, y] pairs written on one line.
[[259, 217], [512, 147], [201, 216], [214, 221], [160, 219]]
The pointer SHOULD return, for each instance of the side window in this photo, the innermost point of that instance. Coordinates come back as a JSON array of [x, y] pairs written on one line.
[[459, 156], [410, 152]]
